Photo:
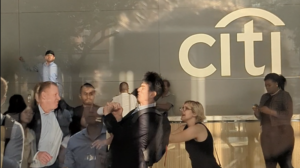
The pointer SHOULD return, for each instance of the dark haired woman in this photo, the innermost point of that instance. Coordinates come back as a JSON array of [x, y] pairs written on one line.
[[275, 112], [23, 114]]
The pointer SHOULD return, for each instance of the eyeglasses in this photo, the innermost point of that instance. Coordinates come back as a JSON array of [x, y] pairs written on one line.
[[184, 108]]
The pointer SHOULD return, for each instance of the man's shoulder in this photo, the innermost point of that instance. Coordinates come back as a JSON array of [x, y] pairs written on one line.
[[150, 111], [77, 110], [78, 107], [96, 106], [132, 96], [116, 98], [74, 139]]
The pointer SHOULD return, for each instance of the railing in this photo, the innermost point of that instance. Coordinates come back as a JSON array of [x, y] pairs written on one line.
[[237, 142]]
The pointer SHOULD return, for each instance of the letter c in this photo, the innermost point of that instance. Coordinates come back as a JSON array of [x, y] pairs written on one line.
[[184, 55]]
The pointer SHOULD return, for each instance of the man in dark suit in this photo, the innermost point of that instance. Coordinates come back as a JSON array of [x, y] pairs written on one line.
[[87, 96], [132, 134], [48, 132]]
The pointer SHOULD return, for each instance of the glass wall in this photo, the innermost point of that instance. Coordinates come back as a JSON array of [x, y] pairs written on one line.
[[214, 51]]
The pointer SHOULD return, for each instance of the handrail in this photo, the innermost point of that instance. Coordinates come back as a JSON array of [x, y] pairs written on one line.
[[230, 118]]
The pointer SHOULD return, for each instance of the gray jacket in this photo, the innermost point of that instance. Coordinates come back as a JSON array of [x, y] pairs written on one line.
[[13, 153]]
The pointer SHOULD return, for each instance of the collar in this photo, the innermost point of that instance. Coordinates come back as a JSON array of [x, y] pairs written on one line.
[[274, 94], [86, 134], [51, 63], [42, 111], [145, 106]]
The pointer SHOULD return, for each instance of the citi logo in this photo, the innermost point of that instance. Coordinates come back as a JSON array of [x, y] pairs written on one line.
[[248, 37]]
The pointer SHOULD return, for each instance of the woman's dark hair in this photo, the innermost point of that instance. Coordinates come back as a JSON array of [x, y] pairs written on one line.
[[155, 83], [32, 123], [279, 79], [16, 104]]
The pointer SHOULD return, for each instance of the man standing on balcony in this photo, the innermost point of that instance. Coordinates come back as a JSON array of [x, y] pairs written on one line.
[[47, 71]]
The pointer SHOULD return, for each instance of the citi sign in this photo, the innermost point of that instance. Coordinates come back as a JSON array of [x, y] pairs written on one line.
[[248, 37]]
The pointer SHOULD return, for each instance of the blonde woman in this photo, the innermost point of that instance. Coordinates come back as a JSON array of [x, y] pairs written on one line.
[[198, 139]]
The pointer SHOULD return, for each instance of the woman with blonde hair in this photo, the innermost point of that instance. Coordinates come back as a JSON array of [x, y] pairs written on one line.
[[198, 139]]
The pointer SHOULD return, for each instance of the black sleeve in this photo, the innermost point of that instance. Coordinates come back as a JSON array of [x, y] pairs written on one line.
[[142, 130]]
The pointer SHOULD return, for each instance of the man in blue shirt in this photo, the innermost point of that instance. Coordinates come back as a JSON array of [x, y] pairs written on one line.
[[81, 151], [47, 71]]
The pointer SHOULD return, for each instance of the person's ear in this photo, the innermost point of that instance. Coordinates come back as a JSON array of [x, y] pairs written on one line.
[[153, 94], [194, 114], [43, 95]]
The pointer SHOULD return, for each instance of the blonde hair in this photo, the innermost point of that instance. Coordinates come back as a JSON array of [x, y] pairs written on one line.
[[197, 109], [36, 92]]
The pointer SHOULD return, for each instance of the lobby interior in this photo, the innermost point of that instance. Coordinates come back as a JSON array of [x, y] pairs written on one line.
[[216, 52]]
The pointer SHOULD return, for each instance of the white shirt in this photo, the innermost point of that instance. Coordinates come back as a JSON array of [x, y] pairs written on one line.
[[50, 140], [127, 101]]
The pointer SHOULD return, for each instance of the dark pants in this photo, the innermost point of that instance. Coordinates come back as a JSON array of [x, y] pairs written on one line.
[[277, 144], [284, 160]]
